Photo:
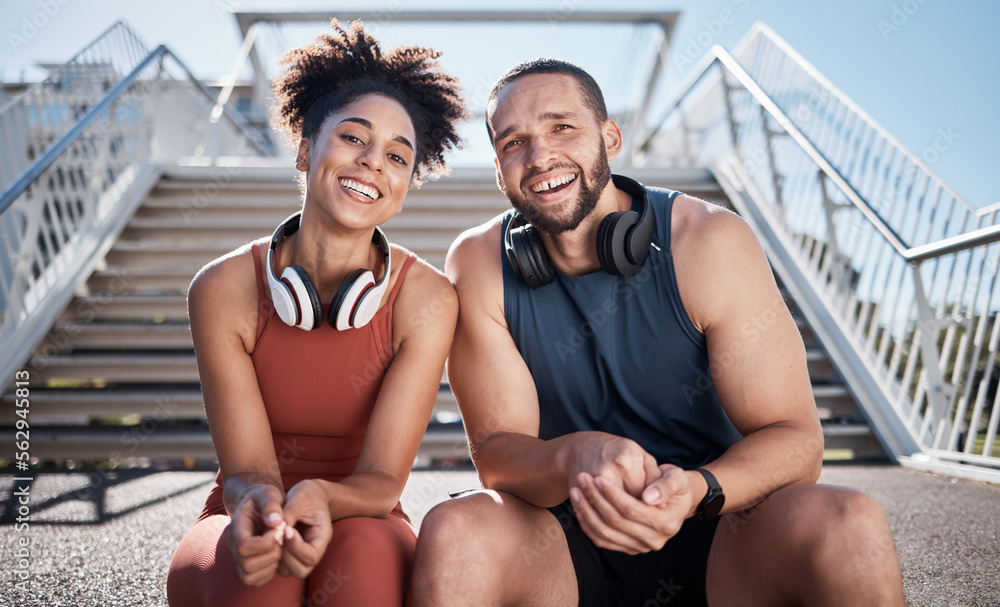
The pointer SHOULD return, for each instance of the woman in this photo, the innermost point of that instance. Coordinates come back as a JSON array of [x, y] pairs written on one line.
[[316, 430]]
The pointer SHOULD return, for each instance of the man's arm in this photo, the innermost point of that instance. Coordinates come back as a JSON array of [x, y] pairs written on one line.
[[758, 366], [497, 397], [756, 356]]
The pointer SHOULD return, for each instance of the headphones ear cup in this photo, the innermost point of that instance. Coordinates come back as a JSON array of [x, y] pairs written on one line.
[[639, 237], [346, 299], [611, 241], [530, 259], [285, 305], [306, 296], [539, 258], [368, 304]]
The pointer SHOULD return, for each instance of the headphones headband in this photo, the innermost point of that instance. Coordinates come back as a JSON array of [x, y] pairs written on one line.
[[296, 299]]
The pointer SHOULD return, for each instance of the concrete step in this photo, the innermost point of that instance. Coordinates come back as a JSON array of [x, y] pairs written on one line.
[[173, 440], [835, 403], [120, 336], [126, 280], [62, 405], [821, 370], [145, 257], [151, 256], [156, 441], [152, 402], [181, 208], [120, 307], [851, 441], [166, 438], [99, 369]]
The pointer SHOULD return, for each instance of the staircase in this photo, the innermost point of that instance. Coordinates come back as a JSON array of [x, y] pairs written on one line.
[[116, 379], [891, 277], [894, 272]]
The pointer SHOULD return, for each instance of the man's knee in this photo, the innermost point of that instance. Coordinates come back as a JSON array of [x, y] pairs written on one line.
[[841, 526], [867, 539], [458, 524]]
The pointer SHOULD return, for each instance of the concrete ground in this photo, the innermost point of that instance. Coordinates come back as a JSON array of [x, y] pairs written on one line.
[[98, 538]]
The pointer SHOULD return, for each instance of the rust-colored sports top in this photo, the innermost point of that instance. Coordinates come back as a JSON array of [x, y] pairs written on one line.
[[319, 388]]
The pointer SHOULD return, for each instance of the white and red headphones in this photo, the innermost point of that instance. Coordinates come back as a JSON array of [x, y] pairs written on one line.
[[296, 299]]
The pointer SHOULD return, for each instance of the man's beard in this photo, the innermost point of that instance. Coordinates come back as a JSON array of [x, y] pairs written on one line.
[[592, 184]]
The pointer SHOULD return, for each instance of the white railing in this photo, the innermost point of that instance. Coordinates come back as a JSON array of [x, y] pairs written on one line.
[[34, 119], [903, 292], [66, 208], [896, 182]]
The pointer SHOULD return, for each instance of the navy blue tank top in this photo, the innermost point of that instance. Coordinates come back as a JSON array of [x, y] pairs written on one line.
[[621, 355]]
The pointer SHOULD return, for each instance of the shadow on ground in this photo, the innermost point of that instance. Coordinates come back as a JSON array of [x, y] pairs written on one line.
[[106, 537]]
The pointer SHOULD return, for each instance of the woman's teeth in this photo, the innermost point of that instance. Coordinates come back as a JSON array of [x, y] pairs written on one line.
[[360, 188]]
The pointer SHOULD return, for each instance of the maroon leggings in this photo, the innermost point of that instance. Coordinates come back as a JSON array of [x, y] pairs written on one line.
[[368, 562]]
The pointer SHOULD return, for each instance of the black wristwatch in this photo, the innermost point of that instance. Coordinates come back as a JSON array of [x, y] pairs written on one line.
[[711, 504]]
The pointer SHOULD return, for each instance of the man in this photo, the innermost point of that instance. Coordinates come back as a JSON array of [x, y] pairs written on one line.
[[637, 404]]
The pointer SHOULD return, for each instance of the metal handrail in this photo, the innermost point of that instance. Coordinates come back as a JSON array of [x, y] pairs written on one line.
[[57, 71], [44, 111], [913, 328], [912, 254], [237, 119], [64, 211], [43, 162], [759, 28]]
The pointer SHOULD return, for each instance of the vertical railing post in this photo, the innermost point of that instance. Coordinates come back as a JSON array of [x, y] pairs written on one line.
[[839, 264], [727, 91], [769, 133], [940, 394]]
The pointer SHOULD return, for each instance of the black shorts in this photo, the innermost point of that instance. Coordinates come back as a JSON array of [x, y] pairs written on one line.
[[674, 575]]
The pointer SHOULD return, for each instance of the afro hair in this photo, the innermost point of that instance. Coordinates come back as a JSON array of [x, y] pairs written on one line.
[[321, 77]]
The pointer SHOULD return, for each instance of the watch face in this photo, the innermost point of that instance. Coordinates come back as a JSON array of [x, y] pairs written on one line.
[[714, 506]]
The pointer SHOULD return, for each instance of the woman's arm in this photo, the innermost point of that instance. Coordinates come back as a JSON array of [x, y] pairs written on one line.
[[222, 307], [424, 317]]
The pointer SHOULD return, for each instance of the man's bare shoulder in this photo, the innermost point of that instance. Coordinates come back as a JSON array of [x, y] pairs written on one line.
[[718, 260], [709, 229], [476, 250]]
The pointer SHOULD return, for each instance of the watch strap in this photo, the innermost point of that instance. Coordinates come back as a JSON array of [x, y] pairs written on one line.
[[714, 499]]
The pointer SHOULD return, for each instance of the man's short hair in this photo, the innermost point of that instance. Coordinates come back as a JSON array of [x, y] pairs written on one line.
[[592, 96]]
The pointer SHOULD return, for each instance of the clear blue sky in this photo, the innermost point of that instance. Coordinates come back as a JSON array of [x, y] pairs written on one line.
[[937, 68]]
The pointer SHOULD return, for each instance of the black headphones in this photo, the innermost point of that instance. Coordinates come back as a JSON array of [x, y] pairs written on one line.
[[296, 299], [623, 240]]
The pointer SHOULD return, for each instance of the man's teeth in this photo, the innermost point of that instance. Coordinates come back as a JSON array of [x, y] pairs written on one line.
[[360, 188], [552, 183]]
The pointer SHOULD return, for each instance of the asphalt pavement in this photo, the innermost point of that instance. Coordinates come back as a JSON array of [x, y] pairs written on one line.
[[104, 538]]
